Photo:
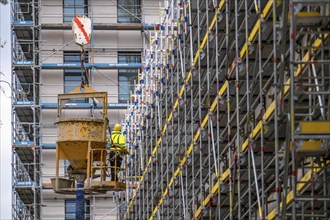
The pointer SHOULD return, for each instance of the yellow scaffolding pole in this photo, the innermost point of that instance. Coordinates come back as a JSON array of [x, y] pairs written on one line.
[[176, 104], [300, 186], [223, 89], [266, 117], [253, 134]]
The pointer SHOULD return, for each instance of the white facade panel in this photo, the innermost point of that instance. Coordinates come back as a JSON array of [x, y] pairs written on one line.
[[52, 85], [51, 11], [151, 11], [103, 11], [53, 209], [129, 39]]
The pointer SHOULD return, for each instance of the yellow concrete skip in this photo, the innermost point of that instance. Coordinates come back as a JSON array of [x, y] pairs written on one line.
[[314, 127], [300, 186]]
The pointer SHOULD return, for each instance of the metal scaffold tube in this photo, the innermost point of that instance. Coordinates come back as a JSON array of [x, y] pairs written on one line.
[[276, 110], [27, 190], [228, 105]]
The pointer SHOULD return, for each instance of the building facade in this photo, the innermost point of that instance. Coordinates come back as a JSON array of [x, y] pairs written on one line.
[[47, 62], [229, 117]]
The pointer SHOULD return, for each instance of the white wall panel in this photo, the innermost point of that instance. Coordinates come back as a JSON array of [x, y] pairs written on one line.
[[151, 11], [51, 11], [103, 11]]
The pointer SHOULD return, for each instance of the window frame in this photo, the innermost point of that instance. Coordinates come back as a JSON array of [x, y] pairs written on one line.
[[127, 72], [74, 72], [135, 8], [73, 202], [75, 7]]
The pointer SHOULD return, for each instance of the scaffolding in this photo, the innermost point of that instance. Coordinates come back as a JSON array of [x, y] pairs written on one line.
[[26, 110], [230, 117], [36, 56]]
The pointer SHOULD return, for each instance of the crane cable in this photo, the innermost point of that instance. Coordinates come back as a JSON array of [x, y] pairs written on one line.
[[84, 76]]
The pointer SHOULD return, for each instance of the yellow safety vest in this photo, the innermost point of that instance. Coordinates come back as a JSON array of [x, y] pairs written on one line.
[[118, 142]]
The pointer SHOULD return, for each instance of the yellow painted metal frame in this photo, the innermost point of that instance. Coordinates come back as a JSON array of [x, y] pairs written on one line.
[[214, 103], [304, 181], [85, 92], [176, 103], [221, 92], [309, 146], [314, 127], [253, 134], [269, 112], [213, 106], [82, 141]]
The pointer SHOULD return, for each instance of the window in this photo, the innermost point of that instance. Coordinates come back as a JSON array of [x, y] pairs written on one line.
[[72, 8], [129, 11], [72, 77], [70, 209], [126, 77]]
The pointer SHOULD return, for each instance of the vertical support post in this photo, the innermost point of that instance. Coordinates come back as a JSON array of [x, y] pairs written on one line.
[[80, 200], [35, 110], [101, 167], [276, 110], [208, 104], [229, 138], [238, 143], [218, 138], [57, 166], [200, 171], [292, 96], [88, 164], [262, 109], [248, 105]]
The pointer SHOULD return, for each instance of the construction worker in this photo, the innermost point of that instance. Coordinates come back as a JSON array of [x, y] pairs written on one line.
[[117, 151]]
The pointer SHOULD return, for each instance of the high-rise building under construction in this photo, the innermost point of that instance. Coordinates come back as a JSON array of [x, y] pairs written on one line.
[[224, 105]]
